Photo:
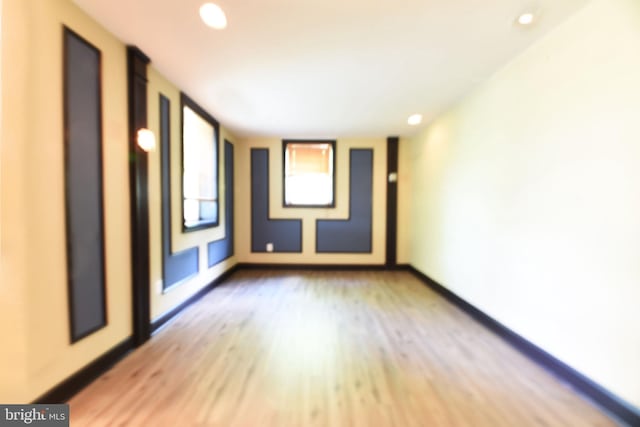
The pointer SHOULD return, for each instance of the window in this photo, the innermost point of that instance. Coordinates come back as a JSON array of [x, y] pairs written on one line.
[[309, 173], [199, 167]]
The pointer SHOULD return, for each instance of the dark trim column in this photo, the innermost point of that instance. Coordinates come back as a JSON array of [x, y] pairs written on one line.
[[137, 83], [392, 200]]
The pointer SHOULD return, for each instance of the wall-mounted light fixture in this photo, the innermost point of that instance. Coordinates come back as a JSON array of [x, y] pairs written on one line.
[[146, 139]]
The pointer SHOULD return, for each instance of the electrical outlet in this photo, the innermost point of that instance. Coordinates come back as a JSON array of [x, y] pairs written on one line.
[[269, 247], [159, 286]]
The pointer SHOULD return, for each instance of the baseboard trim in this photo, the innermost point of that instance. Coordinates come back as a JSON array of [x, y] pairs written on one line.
[[611, 403], [321, 267], [65, 390], [616, 406], [161, 321]]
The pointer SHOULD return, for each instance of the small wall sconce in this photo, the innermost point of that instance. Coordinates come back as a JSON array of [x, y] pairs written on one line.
[[146, 140]]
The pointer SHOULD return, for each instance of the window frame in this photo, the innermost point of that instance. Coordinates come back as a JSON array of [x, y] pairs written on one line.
[[185, 101], [285, 143]]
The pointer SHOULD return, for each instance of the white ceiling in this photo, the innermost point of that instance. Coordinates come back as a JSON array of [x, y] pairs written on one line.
[[328, 68]]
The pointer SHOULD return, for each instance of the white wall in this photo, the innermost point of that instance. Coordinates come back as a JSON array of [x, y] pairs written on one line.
[[526, 196]]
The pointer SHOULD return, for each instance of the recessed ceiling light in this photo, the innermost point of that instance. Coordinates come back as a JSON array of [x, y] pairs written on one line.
[[213, 16], [414, 119], [526, 18]]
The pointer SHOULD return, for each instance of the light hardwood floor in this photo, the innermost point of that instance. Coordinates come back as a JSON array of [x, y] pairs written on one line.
[[300, 348]]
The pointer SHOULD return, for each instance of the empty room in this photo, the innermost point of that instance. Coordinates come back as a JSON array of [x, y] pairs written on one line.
[[320, 213]]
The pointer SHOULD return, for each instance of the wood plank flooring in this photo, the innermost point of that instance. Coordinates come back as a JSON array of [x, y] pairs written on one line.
[[301, 348]]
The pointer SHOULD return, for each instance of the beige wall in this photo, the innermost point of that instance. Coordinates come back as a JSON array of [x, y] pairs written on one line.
[[37, 354], [34, 277], [36, 350], [405, 192], [309, 215], [163, 301], [13, 245], [522, 199], [525, 196]]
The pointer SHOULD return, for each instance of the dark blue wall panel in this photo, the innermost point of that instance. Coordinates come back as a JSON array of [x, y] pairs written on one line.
[[222, 249], [354, 234], [83, 182], [285, 234], [180, 265]]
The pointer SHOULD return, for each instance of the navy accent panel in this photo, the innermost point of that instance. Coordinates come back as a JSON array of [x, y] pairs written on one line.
[[222, 249], [180, 265], [354, 234], [285, 234], [83, 186]]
